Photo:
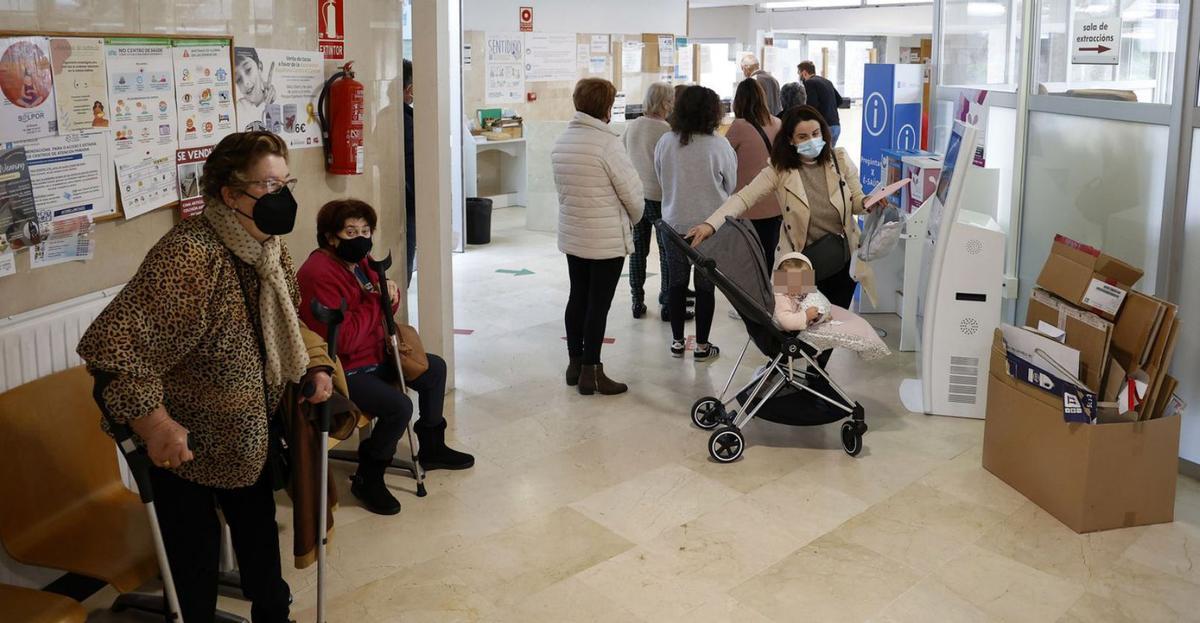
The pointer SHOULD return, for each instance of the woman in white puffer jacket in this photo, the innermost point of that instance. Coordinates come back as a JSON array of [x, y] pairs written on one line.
[[599, 199]]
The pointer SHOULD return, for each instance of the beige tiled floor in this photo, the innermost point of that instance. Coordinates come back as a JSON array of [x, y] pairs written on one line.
[[608, 509]]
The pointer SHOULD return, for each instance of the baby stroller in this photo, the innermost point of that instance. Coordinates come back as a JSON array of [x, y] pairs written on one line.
[[780, 392]]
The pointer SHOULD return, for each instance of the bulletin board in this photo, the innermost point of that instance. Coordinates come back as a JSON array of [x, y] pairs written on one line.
[[99, 126]]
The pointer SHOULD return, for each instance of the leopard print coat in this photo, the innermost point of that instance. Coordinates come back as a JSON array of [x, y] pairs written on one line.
[[182, 334]]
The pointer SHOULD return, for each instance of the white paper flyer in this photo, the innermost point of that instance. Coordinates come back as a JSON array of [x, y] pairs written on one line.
[[142, 92], [80, 83], [277, 91], [26, 89], [203, 91], [147, 180]]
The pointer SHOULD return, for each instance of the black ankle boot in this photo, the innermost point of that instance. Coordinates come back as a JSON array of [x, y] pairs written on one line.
[[573, 368], [435, 454], [367, 485]]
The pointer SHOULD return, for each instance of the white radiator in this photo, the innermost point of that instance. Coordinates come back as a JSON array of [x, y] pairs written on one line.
[[42, 341], [32, 345]]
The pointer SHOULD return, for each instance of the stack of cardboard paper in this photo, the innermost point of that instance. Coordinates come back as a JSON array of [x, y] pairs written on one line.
[[1079, 400]]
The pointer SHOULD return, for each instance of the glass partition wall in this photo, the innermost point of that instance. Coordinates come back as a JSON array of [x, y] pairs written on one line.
[[1108, 154]]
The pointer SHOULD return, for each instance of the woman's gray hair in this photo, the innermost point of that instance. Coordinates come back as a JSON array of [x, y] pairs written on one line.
[[658, 100]]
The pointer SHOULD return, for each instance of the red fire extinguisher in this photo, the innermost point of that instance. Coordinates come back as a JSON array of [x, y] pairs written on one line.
[[342, 124]]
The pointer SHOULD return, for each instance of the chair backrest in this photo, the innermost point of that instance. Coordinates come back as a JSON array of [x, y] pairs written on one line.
[[53, 453]]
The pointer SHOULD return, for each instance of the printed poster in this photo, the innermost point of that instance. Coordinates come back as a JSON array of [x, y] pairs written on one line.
[[277, 91], [80, 83], [60, 250], [18, 213], [147, 180], [504, 64], [599, 44], [71, 171], [203, 92], [8, 263], [142, 93], [26, 89], [631, 57], [666, 51], [683, 65], [550, 57], [598, 65], [189, 164]]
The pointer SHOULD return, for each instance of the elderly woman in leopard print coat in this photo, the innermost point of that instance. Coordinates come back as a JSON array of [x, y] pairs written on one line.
[[201, 344]]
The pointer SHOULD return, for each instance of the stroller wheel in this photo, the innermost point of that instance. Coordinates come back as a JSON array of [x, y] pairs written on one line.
[[707, 413], [726, 445], [851, 439]]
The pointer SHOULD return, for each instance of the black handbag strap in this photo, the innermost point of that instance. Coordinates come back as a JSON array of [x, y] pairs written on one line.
[[763, 134]]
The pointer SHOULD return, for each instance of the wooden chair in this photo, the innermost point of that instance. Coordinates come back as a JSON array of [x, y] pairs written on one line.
[[65, 504], [26, 605]]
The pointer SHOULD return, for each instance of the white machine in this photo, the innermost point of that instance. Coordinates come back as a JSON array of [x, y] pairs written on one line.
[[963, 282]]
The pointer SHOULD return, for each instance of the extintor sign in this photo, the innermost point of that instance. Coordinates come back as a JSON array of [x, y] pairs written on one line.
[[331, 33]]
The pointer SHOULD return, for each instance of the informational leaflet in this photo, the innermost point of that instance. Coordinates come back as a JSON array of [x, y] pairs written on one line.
[[631, 57], [8, 263], [18, 213], [26, 89], [203, 91], [71, 171], [80, 83], [618, 109], [599, 44], [683, 64], [550, 56], [142, 93], [69, 249], [147, 180], [277, 91], [504, 66], [189, 164], [583, 56], [598, 64], [666, 51]]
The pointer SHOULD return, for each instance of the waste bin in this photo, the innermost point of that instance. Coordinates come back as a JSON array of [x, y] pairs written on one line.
[[479, 220]]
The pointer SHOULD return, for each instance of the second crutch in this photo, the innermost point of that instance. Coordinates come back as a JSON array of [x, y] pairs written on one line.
[[331, 318], [380, 267]]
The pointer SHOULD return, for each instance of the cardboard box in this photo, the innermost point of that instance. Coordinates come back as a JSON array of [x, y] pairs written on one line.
[[1085, 277], [924, 171], [1086, 332], [1089, 476]]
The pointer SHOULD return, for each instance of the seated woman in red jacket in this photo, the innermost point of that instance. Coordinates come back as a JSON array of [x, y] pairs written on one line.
[[338, 270]]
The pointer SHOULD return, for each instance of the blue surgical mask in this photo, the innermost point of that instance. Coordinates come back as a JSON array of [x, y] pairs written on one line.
[[811, 149]]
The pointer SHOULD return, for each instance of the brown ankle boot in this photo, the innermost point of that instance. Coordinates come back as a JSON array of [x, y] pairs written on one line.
[[592, 379], [573, 370]]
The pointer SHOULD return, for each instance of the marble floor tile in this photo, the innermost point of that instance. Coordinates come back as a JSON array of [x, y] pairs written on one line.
[[568, 601], [827, 580], [1144, 593], [929, 600], [653, 585], [1005, 589], [643, 507]]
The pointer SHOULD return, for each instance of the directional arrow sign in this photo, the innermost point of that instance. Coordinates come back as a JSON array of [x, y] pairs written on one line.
[[1096, 40], [515, 273]]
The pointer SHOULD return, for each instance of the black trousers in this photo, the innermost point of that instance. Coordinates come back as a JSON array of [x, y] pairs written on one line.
[[641, 250], [375, 393], [410, 242], [839, 289], [593, 284], [706, 301], [768, 235], [187, 513]]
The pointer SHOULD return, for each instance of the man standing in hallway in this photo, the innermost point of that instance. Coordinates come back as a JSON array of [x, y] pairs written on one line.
[[410, 197], [823, 96], [770, 86]]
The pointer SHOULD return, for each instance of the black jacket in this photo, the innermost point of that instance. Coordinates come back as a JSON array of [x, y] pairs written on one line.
[[409, 162], [823, 96]]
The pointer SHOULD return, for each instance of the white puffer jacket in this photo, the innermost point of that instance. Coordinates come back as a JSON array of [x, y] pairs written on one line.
[[599, 191]]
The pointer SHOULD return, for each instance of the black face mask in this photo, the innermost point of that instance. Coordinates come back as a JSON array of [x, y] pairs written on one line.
[[353, 250], [274, 213]]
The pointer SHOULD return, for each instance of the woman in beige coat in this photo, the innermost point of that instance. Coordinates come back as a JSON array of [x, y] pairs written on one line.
[[818, 189]]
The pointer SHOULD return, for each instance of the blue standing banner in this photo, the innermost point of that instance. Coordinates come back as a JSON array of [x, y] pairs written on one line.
[[891, 116]]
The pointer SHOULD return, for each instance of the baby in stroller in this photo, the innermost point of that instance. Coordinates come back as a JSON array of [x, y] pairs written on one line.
[[798, 304]]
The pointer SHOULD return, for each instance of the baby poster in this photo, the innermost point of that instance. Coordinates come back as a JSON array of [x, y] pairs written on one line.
[[142, 93], [277, 91], [80, 83], [203, 91], [26, 89]]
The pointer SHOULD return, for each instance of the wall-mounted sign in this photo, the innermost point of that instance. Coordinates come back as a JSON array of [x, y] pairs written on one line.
[[526, 18], [331, 30], [1096, 40]]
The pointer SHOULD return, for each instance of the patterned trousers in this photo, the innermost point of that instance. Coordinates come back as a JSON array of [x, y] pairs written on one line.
[[641, 251]]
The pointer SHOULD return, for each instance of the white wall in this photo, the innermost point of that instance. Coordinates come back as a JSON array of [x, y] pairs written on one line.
[[609, 16], [742, 22]]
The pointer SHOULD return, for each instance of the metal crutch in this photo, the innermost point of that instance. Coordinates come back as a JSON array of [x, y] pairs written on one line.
[[139, 466], [380, 267], [331, 318]]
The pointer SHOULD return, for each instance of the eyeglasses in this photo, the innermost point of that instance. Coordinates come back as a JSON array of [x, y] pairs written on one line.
[[354, 232], [274, 186]]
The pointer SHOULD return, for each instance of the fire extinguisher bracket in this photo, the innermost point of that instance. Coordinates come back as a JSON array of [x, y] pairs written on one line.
[[342, 115]]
